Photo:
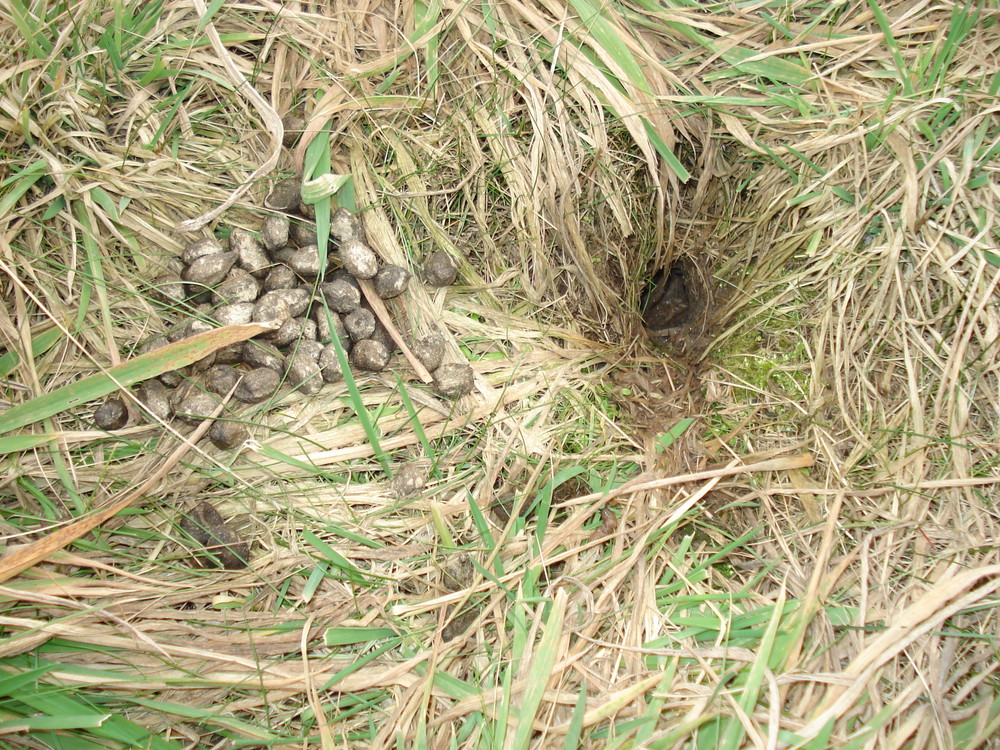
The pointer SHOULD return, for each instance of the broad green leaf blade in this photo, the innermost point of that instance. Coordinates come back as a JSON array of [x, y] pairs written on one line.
[[146, 366]]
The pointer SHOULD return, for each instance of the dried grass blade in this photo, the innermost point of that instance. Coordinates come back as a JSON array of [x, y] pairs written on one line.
[[20, 559]]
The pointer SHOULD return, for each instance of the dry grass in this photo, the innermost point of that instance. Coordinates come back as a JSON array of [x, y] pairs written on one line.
[[812, 563]]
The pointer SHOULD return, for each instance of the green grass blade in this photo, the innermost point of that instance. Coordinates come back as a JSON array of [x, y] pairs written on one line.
[[543, 660], [40, 344], [146, 366], [610, 40]]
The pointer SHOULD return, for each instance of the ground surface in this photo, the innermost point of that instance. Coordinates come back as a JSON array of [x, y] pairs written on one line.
[[773, 525]]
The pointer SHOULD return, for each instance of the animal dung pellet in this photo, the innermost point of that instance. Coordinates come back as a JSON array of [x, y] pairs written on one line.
[[303, 372], [170, 288], [227, 435], [155, 397], [285, 195], [308, 210], [280, 277], [258, 385], [257, 354], [111, 415], [250, 252], [201, 248], [238, 286], [209, 270], [172, 379], [197, 325], [293, 126], [220, 379], [274, 231], [344, 225], [219, 546], [391, 281], [195, 406], [272, 308], [369, 355], [303, 233], [453, 380], [282, 254], [359, 259], [305, 261], [231, 354], [341, 295], [360, 324], [440, 269], [329, 364], [237, 314], [310, 347], [291, 331], [430, 351]]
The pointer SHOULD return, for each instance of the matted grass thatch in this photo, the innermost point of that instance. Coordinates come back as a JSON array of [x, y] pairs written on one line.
[[779, 530]]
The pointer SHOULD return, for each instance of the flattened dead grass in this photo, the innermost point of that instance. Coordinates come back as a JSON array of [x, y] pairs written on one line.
[[812, 563]]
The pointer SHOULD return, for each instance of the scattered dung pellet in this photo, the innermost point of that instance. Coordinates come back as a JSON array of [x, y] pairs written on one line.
[[220, 379], [274, 231], [178, 332], [285, 195], [430, 351], [293, 126], [344, 225], [204, 363], [156, 398], [111, 415], [305, 261], [201, 248], [328, 325], [369, 355], [303, 234], [172, 379], [303, 372], [209, 270], [342, 274], [381, 334], [453, 380], [257, 385], [257, 354], [195, 406], [308, 329], [170, 289], [290, 331], [227, 435], [360, 324], [297, 299], [341, 295], [232, 354], [272, 308], [238, 286], [280, 277], [358, 258], [237, 314], [440, 269], [312, 348], [391, 281], [329, 364], [308, 210], [197, 325], [219, 545], [410, 479], [250, 252], [282, 254]]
